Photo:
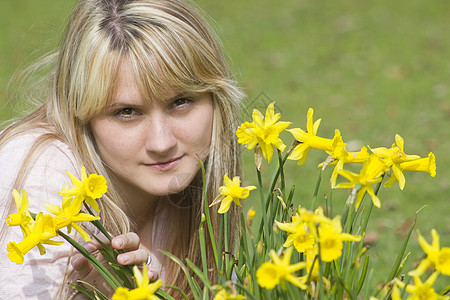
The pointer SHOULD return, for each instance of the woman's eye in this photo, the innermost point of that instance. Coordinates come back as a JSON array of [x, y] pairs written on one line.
[[181, 102], [126, 112]]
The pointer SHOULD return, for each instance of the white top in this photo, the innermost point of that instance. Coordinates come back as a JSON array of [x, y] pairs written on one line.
[[39, 277]]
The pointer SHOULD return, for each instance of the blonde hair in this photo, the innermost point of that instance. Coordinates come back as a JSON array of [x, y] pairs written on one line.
[[167, 43]]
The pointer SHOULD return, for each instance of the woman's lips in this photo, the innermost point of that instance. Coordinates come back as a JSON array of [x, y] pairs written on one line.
[[165, 166]]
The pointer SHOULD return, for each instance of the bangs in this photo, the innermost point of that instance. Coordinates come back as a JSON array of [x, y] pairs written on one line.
[[164, 60], [97, 83]]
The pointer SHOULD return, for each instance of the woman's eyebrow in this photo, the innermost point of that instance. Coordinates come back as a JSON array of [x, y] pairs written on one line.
[[175, 97]]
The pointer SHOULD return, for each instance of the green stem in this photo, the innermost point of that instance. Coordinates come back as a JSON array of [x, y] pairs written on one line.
[[316, 190], [263, 212], [207, 215]]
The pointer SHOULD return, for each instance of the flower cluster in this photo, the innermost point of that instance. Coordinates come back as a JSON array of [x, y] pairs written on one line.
[[309, 232], [375, 164], [328, 257], [42, 228], [437, 258]]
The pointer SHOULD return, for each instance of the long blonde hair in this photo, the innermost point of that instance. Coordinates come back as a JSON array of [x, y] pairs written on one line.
[[168, 44]]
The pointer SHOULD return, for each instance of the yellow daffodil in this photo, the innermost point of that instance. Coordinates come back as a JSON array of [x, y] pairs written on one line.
[[343, 157], [308, 139], [299, 234], [331, 239], [312, 271], [394, 156], [426, 164], [222, 294], [263, 131], [231, 192], [250, 215], [437, 257], [420, 290], [270, 274], [69, 214], [89, 188], [42, 231], [371, 173], [22, 217], [144, 291]]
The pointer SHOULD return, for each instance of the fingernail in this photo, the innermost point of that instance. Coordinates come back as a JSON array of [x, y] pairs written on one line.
[[119, 242], [124, 258], [150, 275]]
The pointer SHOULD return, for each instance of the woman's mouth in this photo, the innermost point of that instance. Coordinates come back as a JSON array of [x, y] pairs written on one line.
[[165, 165]]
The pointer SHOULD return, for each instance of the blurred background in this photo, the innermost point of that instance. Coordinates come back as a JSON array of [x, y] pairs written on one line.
[[369, 68]]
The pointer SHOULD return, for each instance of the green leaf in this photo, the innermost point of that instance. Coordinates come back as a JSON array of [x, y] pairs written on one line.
[[190, 280], [112, 281], [94, 293]]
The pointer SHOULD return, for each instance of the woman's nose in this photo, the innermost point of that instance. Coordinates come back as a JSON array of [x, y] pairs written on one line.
[[160, 136]]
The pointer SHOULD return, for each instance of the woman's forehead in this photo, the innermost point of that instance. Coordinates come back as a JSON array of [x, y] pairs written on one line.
[[130, 85]]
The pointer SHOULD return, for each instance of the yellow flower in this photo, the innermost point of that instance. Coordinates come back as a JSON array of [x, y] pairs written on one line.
[[22, 217], [250, 215], [394, 157], [331, 239], [270, 274], [144, 291], [231, 192], [308, 139], [42, 231], [437, 257], [426, 164], [263, 131], [312, 268], [224, 295], [89, 188], [420, 290], [370, 173], [344, 157], [69, 213], [299, 234]]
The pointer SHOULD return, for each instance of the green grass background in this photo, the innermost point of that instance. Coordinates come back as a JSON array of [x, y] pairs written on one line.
[[369, 68]]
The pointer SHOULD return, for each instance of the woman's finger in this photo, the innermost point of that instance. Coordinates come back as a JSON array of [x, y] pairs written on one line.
[[152, 275], [136, 257], [127, 241], [80, 264]]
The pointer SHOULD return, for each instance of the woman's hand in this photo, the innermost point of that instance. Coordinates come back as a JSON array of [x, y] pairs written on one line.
[[134, 254]]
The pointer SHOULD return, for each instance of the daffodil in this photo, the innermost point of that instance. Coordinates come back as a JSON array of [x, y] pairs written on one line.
[[88, 188], [343, 157], [312, 268], [22, 217], [144, 291], [263, 131], [231, 192], [42, 231], [331, 239], [420, 290], [426, 164], [270, 274], [308, 139], [299, 234], [394, 156], [370, 174], [69, 213], [222, 294], [437, 257]]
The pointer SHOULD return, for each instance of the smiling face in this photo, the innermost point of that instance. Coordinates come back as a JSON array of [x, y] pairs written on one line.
[[152, 147]]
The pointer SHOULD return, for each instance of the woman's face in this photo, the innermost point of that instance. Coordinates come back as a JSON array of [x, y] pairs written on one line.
[[153, 147]]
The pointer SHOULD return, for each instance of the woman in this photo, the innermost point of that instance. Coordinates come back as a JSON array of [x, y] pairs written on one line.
[[139, 92]]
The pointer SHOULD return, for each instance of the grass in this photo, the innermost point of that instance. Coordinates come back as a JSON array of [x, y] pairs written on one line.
[[369, 68]]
